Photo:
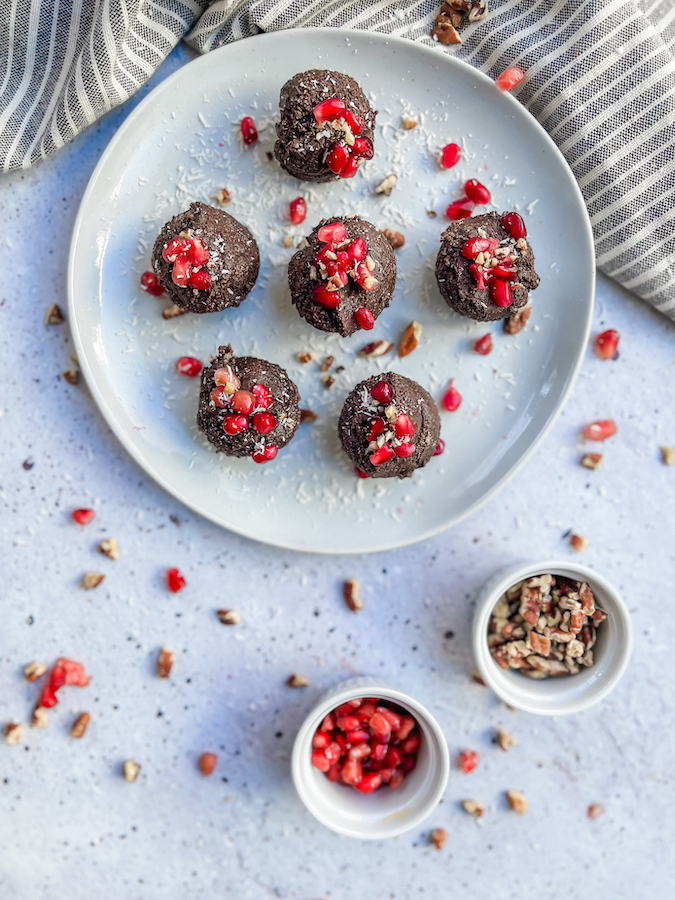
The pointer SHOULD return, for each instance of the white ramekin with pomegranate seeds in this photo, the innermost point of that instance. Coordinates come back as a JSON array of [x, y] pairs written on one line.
[[384, 811], [567, 693]]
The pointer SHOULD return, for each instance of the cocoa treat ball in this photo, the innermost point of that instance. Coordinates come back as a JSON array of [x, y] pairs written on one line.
[[247, 406], [206, 259], [389, 426], [343, 276], [485, 266], [326, 128]]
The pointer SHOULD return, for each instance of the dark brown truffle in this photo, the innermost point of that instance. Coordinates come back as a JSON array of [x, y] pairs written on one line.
[[232, 266], [392, 433], [458, 285]]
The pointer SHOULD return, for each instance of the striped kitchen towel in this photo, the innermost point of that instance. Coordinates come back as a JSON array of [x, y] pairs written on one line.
[[600, 79]]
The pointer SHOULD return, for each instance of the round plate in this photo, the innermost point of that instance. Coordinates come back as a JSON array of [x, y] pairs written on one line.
[[183, 144]]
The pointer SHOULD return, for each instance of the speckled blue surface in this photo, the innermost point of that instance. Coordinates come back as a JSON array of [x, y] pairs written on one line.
[[70, 826]]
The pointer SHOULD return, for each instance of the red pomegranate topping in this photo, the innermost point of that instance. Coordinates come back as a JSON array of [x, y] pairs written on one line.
[[607, 344], [234, 424], [197, 252], [83, 516], [480, 276], [504, 272], [200, 280], [150, 283], [451, 399], [403, 426], [440, 446], [175, 581], [364, 277], [476, 191], [297, 210], [180, 274], [249, 132], [263, 396], [266, 454], [350, 168], [483, 345], [264, 422], [363, 148], [468, 760], [450, 155], [355, 122], [500, 292], [364, 318], [601, 430], [329, 110], [476, 245], [64, 671], [220, 397], [382, 455], [176, 247], [188, 365], [226, 377], [404, 450], [334, 233], [243, 402], [359, 473], [337, 157], [460, 209], [377, 426], [357, 250], [383, 392], [510, 78], [367, 745], [325, 297], [513, 223]]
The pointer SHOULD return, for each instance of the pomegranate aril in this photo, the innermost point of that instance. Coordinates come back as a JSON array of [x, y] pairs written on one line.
[[385, 774], [396, 779], [267, 454], [333, 752], [501, 293], [176, 247], [403, 426], [297, 210], [83, 516], [379, 724], [510, 78], [601, 430], [394, 757], [346, 709], [328, 723], [249, 132], [263, 396], [363, 147], [321, 740], [226, 378], [411, 743], [320, 761], [607, 344], [382, 455], [366, 710], [175, 581], [476, 191], [326, 298], [337, 157], [450, 155], [220, 397], [357, 736], [404, 450], [364, 277], [235, 424], [264, 422], [483, 345], [359, 473], [150, 283], [409, 764], [393, 718], [343, 259], [197, 252], [351, 167], [383, 392], [359, 751], [355, 122], [369, 783], [451, 401], [325, 254], [200, 280], [513, 223], [440, 447], [460, 209], [180, 274], [364, 318], [347, 723], [243, 402], [352, 771], [378, 752], [468, 760], [476, 245], [478, 274], [341, 741], [331, 109], [504, 272], [407, 726], [333, 773], [188, 365]]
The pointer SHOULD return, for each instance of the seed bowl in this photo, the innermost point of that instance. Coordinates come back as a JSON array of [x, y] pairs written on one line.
[[386, 812], [564, 694]]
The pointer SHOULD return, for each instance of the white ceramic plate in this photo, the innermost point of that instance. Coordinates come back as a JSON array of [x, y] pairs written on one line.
[[182, 143]]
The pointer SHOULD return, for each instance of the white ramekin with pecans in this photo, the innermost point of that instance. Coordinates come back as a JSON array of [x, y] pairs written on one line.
[[551, 637]]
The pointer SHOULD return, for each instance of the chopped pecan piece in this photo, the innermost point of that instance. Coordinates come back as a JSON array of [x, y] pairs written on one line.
[[547, 666], [54, 316], [375, 349], [223, 196], [165, 661], [668, 454], [438, 837], [130, 770], [13, 733], [91, 580], [445, 32], [504, 739], [387, 185], [587, 599], [410, 339], [352, 594], [298, 681], [307, 415], [473, 807], [72, 376], [530, 604], [171, 312], [40, 719], [304, 357], [595, 810], [591, 460], [579, 543], [80, 725], [517, 321], [34, 670], [408, 122], [517, 802], [229, 616], [327, 363], [110, 548], [540, 643], [395, 238]]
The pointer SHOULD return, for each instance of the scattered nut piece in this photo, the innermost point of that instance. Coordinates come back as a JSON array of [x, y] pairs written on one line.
[[668, 454], [307, 415], [13, 733], [591, 460], [477, 677], [408, 123], [298, 681], [579, 543], [80, 725], [438, 837], [304, 357], [376, 348], [517, 802], [223, 196], [595, 810], [432, 213], [130, 770], [410, 338], [327, 363], [91, 580], [504, 739], [74, 359], [40, 719], [172, 311], [387, 185], [395, 238], [287, 240], [328, 381], [207, 763], [72, 376], [54, 316], [165, 662], [229, 616], [473, 807], [445, 33], [34, 670], [352, 595], [517, 321], [110, 548]]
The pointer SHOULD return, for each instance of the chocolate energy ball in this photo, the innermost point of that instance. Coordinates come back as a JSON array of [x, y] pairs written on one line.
[[206, 259], [343, 276], [485, 266], [326, 128], [389, 426], [247, 406]]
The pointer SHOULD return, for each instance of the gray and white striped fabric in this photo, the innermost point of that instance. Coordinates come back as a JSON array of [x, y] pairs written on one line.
[[600, 79]]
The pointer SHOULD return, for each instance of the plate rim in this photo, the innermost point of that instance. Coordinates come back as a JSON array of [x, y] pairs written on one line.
[[122, 434]]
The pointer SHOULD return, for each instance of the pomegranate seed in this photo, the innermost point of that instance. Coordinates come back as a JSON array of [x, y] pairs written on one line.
[[226, 378], [440, 446], [382, 455], [337, 157], [352, 771], [333, 773], [404, 450], [265, 455], [504, 273], [607, 344], [197, 252], [478, 276], [334, 233], [264, 422], [359, 751], [320, 740], [320, 761], [263, 396], [378, 751], [355, 122], [343, 259], [501, 293], [175, 580], [600, 431], [249, 132], [350, 168], [220, 397], [468, 760], [328, 723], [243, 402], [365, 711], [180, 274], [411, 743], [369, 783], [333, 752], [358, 250], [450, 156], [358, 736], [363, 148], [359, 473], [513, 223], [451, 399], [474, 246], [235, 424], [483, 345], [325, 255], [383, 392], [297, 210], [364, 277], [324, 297], [150, 283], [385, 775], [64, 671], [409, 764], [207, 763], [328, 110], [377, 426], [393, 718], [394, 757], [379, 724], [477, 192], [336, 273], [188, 365], [404, 426], [176, 247], [510, 78], [347, 723], [460, 209], [83, 516], [200, 280], [406, 727], [364, 318]]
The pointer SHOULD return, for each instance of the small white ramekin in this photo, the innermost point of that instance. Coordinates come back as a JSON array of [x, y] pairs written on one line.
[[384, 813], [566, 694]]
